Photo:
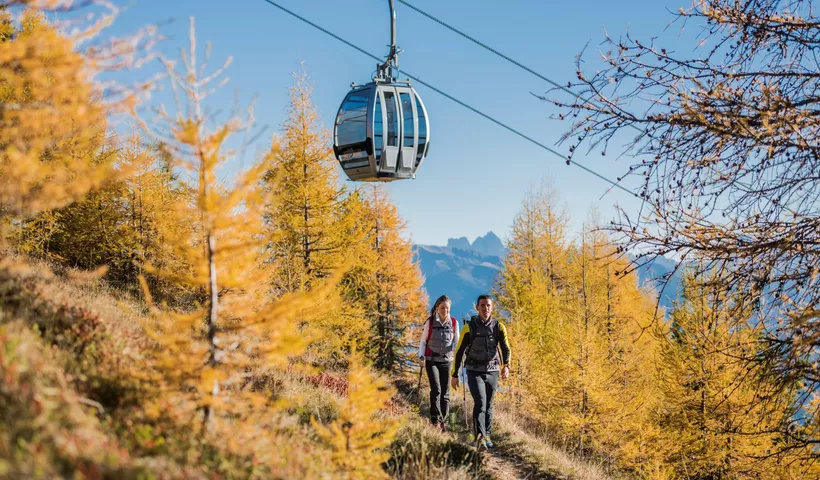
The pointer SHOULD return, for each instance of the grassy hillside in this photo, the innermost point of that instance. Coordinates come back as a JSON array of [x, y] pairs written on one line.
[[80, 398]]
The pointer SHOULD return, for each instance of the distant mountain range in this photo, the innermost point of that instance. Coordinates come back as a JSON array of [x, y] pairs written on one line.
[[461, 270], [488, 245], [464, 270], [652, 275]]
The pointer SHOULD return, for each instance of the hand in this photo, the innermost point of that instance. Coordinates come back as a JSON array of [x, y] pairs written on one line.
[[421, 361], [454, 382], [505, 372]]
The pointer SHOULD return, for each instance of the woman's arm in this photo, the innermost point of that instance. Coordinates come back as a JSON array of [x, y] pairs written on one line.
[[423, 341]]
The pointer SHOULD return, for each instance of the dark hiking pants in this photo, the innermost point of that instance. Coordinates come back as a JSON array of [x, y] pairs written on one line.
[[439, 375], [482, 387]]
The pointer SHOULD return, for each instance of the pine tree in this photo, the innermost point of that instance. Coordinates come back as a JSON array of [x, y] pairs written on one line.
[[50, 125], [714, 419], [208, 351], [306, 239], [359, 437], [392, 293]]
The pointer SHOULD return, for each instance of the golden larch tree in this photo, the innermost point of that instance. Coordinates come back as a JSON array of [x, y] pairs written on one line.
[[311, 224], [306, 240], [117, 226], [209, 351], [715, 418], [534, 272], [360, 435], [386, 281], [587, 369], [53, 107], [51, 124], [723, 140]]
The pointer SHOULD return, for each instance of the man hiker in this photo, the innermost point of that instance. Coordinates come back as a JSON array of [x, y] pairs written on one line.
[[479, 344]]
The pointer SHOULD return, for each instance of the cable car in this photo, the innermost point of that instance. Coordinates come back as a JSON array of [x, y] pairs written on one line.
[[382, 132]]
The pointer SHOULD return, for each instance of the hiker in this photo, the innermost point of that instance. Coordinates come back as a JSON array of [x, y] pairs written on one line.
[[480, 341], [436, 349]]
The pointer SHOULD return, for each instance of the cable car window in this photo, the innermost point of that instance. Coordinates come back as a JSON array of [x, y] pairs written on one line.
[[378, 129], [422, 130], [352, 119], [392, 119], [407, 114]]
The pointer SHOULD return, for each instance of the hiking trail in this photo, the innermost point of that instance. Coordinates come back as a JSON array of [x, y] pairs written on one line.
[[504, 462]]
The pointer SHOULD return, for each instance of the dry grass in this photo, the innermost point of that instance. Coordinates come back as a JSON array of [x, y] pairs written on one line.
[[537, 448], [77, 373], [54, 402], [521, 451], [110, 378], [421, 452], [69, 339]]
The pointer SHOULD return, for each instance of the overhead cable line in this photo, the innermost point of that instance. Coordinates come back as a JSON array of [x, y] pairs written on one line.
[[463, 104], [546, 79], [491, 49]]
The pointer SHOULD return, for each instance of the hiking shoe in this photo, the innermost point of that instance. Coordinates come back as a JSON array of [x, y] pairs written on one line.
[[488, 444], [442, 427]]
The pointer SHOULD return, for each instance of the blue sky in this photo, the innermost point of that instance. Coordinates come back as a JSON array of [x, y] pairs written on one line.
[[477, 174]]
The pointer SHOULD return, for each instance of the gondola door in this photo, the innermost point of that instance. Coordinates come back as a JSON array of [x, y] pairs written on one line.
[[390, 155], [407, 156]]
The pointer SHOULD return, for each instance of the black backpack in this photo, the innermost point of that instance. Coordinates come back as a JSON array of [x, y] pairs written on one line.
[[483, 343]]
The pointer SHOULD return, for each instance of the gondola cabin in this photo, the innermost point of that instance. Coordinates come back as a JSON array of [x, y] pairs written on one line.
[[381, 132]]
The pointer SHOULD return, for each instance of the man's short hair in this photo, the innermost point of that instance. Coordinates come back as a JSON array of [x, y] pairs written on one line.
[[483, 297]]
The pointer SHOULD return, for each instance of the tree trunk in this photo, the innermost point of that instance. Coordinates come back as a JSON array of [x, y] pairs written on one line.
[[213, 294]]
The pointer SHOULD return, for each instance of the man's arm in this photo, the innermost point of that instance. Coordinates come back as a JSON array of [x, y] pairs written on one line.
[[463, 340], [505, 346]]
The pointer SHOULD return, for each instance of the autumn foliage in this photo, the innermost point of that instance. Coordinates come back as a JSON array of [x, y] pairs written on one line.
[[723, 142], [168, 312], [659, 394], [238, 280]]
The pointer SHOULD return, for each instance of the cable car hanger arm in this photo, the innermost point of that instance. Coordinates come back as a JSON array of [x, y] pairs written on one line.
[[385, 70]]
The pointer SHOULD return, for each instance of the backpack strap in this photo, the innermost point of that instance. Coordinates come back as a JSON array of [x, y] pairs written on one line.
[[470, 324]]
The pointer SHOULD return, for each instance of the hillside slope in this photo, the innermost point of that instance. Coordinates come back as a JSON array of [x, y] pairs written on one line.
[[79, 389]]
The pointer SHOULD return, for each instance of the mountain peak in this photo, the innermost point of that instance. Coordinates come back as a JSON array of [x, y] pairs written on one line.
[[460, 243], [489, 244]]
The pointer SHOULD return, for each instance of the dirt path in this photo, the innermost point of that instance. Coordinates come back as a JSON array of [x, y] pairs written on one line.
[[502, 466], [504, 462], [500, 463]]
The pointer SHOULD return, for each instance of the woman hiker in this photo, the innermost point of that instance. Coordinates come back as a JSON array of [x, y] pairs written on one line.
[[436, 350]]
